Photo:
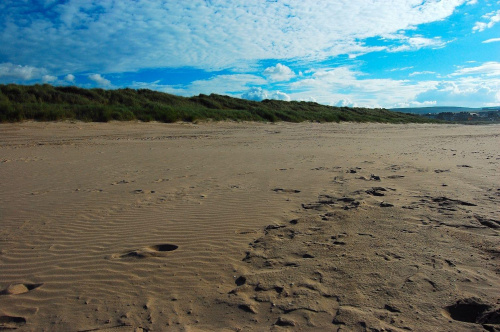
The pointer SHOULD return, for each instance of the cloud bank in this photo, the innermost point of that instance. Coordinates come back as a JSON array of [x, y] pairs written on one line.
[[115, 36], [275, 49]]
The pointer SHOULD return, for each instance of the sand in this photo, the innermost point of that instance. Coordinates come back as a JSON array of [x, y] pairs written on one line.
[[249, 227]]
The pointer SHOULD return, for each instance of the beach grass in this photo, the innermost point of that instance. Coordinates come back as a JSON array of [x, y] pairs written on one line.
[[53, 103]]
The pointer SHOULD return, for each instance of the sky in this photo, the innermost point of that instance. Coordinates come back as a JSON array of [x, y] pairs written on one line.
[[361, 53]]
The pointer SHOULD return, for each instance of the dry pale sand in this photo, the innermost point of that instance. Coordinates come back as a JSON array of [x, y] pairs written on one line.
[[249, 227]]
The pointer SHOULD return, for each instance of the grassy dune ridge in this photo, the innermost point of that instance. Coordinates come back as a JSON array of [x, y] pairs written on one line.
[[49, 103]]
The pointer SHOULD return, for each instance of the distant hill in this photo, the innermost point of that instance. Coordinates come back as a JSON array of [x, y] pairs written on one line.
[[442, 109], [48, 103]]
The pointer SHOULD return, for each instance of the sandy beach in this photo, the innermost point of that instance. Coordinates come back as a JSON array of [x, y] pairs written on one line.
[[128, 226]]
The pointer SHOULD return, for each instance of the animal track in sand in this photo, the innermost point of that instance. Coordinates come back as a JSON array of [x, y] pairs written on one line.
[[151, 251]]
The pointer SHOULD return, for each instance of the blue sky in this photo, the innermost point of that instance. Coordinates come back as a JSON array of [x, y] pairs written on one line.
[[370, 53]]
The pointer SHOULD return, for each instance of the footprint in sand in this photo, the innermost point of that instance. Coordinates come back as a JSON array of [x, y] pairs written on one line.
[[161, 180], [16, 289], [120, 182], [281, 190], [353, 170], [137, 191], [376, 191], [492, 223], [338, 239], [11, 322], [240, 281], [473, 310], [445, 201], [151, 251]]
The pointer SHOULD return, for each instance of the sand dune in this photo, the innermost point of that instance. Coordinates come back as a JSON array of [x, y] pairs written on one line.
[[244, 226]]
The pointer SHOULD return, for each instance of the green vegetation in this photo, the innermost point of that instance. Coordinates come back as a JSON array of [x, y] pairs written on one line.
[[49, 103]]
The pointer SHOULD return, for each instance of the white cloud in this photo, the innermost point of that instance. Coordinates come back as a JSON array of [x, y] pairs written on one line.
[[280, 96], [334, 85], [232, 85], [492, 40], [48, 78], [467, 92], [117, 36], [311, 99], [492, 18], [487, 69], [416, 43], [346, 102], [471, 2], [479, 26], [259, 94], [223, 84], [17, 72], [69, 78], [401, 69], [99, 80], [279, 73], [425, 72], [345, 86], [414, 103]]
